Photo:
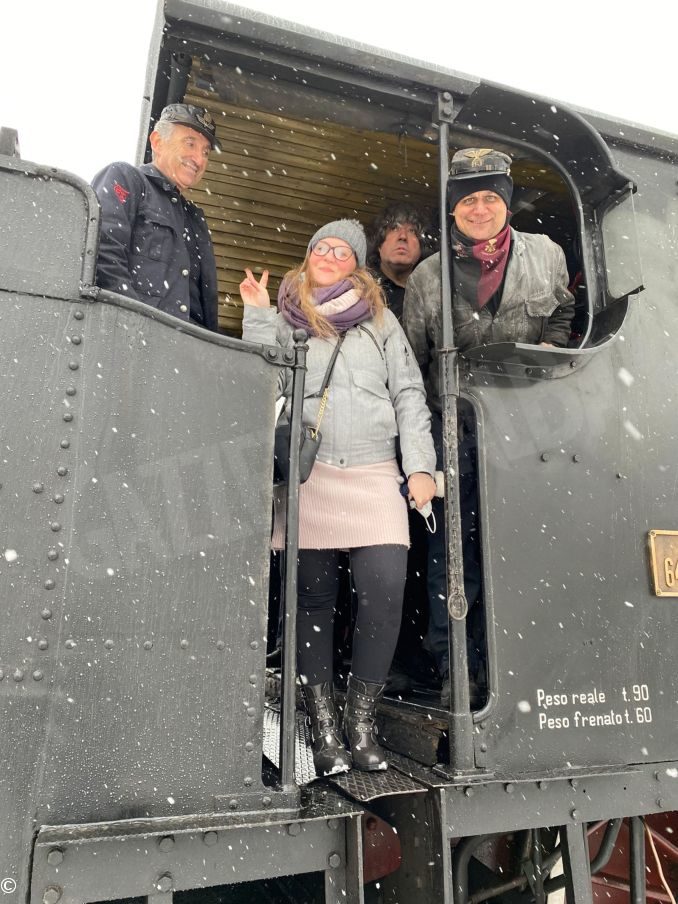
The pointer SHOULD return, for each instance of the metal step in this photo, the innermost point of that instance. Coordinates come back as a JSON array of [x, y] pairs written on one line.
[[361, 786], [304, 771]]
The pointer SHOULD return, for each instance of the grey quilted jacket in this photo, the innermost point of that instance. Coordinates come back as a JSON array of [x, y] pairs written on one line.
[[536, 306], [376, 392]]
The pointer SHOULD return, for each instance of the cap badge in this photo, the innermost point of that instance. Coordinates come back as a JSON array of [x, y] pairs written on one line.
[[476, 155], [205, 119]]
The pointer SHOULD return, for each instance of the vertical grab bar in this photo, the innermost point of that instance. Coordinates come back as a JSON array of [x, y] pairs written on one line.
[[461, 723], [289, 664]]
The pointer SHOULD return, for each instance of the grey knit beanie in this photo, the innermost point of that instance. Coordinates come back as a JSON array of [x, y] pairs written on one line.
[[350, 231]]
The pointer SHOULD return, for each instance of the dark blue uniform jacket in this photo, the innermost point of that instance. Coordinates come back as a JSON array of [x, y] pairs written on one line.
[[155, 245]]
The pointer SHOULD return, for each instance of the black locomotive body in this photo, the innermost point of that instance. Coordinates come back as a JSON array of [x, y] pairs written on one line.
[[138, 750]]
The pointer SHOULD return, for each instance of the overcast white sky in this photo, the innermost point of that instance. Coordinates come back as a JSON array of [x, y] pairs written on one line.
[[72, 71]]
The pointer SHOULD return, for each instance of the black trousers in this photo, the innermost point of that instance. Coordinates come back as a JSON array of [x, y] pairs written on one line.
[[378, 574]]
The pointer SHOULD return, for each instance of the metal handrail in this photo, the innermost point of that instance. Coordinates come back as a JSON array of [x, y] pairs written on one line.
[[289, 633]]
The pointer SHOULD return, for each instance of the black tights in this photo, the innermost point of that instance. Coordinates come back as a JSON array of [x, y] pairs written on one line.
[[378, 574]]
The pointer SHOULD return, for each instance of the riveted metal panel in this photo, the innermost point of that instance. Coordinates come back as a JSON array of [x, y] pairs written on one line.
[[48, 230], [581, 645], [575, 473], [136, 504], [508, 804], [125, 862]]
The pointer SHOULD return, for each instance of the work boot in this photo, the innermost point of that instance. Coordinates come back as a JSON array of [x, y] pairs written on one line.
[[329, 753], [360, 726]]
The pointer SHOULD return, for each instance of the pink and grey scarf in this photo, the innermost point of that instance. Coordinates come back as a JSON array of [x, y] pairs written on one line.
[[340, 304]]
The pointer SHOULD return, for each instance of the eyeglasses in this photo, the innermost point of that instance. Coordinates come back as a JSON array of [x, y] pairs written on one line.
[[341, 252]]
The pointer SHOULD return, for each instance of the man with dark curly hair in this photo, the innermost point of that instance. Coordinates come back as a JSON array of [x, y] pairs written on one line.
[[399, 238]]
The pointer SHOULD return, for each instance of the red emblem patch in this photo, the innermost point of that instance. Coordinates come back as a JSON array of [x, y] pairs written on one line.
[[122, 193]]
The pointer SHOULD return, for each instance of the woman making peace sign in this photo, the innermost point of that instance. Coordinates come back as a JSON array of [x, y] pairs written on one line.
[[352, 499]]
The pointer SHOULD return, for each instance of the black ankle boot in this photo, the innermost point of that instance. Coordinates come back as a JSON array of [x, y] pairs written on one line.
[[329, 754], [360, 726]]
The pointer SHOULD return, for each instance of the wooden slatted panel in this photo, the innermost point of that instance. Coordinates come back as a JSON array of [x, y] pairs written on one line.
[[278, 179]]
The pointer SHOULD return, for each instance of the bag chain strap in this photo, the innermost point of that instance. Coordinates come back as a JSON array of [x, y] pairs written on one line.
[[326, 391], [321, 411]]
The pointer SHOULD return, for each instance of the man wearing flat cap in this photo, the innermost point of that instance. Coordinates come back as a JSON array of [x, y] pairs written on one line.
[[155, 246], [507, 286]]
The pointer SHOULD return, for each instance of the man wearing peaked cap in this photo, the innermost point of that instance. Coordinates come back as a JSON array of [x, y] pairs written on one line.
[[195, 118], [507, 286], [472, 162], [155, 246]]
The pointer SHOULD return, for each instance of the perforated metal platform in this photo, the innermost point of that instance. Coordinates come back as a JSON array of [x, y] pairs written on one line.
[[362, 786], [304, 771], [366, 786]]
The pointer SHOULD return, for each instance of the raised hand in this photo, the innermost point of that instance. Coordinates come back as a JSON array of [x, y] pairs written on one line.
[[253, 292]]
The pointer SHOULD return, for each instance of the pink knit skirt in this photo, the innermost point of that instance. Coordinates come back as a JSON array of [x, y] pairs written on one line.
[[341, 508]]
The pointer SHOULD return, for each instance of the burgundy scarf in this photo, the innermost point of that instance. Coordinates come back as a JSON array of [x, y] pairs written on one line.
[[342, 320], [479, 267]]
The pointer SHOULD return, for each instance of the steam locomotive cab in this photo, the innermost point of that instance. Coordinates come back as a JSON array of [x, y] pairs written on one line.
[[142, 754]]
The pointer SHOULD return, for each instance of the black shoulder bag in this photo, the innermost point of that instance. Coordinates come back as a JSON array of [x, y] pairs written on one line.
[[310, 436]]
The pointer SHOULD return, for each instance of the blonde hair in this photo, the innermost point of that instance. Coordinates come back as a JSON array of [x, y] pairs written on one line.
[[362, 281]]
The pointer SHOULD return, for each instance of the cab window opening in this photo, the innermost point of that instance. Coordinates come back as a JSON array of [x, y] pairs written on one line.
[[279, 174]]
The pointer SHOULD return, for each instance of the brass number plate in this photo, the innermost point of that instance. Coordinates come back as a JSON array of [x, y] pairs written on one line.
[[664, 561]]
